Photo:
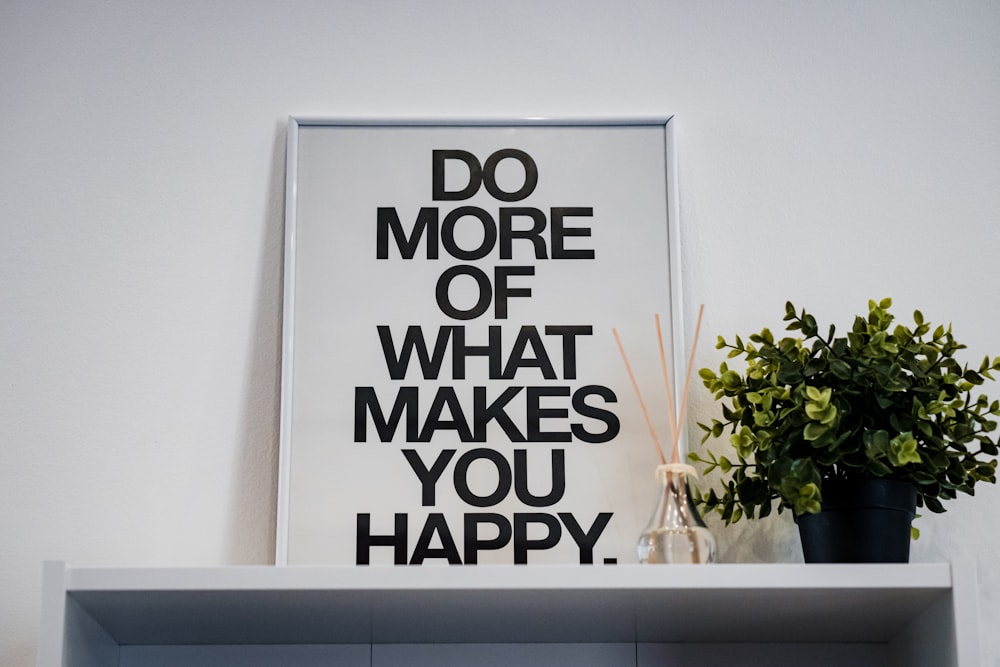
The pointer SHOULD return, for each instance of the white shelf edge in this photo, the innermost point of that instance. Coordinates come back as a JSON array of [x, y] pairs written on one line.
[[489, 577]]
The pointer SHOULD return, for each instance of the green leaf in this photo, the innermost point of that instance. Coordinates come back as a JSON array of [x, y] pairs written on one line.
[[819, 396], [763, 418], [808, 500], [933, 504], [840, 368], [743, 441], [731, 380], [876, 443], [789, 375], [879, 469], [903, 450], [973, 377], [923, 478], [814, 431], [824, 415]]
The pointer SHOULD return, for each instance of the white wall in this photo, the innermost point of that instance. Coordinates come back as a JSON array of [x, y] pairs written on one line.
[[830, 152]]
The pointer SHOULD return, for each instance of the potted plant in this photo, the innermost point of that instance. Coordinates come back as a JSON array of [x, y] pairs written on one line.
[[818, 421]]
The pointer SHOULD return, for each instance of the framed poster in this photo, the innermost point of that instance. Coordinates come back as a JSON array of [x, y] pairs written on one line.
[[451, 389]]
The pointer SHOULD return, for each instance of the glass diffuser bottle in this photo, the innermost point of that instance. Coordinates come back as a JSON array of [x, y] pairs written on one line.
[[676, 532]]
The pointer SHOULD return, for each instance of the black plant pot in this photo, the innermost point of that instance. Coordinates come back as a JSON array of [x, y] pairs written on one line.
[[862, 521]]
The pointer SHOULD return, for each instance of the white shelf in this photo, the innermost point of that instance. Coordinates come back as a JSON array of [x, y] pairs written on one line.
[[887, 613]]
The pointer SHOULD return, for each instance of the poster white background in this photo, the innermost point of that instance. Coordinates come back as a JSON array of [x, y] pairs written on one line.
[[615, 177]]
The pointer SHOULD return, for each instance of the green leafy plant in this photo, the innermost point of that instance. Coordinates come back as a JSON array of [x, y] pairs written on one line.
[[885, 400]]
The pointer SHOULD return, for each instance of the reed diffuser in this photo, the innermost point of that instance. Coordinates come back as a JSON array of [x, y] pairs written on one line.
[[675, 532]]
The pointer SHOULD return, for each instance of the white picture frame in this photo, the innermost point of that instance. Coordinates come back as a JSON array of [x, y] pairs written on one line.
[[487, 248]]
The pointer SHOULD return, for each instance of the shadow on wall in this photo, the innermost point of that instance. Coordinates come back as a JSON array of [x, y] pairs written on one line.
[[251, 538], [773, 540]]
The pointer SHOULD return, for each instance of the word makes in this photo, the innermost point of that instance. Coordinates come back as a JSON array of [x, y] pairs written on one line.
[[446, 413]]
